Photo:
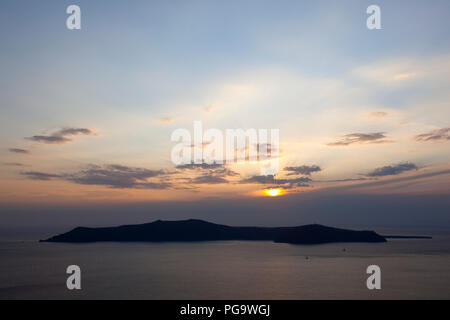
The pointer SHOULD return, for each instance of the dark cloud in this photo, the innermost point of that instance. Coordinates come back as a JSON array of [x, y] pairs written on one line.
[[49, 139], [207, 173], [214, 169], [74, 132], [61, 136], [225, 172], [260, 179], [35, 175], [193, 166], [290, 186], [360, 138], [305, 170], [113, 176], [17, 150], [297, 182], [392, 170], [208, 180], [344, 180], [270, 179], [435, 135], [125, 177], [118, 176]]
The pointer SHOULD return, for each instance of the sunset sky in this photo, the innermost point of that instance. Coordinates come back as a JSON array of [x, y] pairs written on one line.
[[86, 115]]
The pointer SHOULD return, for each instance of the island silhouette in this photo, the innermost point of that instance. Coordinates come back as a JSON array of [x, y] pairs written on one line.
[[199, 230]]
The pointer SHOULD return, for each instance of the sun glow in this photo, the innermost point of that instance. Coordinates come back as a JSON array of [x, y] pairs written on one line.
[[273, 192]]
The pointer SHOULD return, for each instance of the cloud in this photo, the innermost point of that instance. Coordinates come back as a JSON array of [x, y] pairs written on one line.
[[394, 180], [211, 169], [167, 120], [225, 172], [35, 175], [264, 147], [260, 151], [118, 176], [61, 136], [392, 170], [360, 138], [113, 176], [203, 144], [270, 179], [435, 135], [74, 132], [49, 139], [124, 177], [207, 179], [203, 165], [260, 179], [17, 150], [209, 173], [305, 170], [344, 180], [264, 151], [378, 114], [14, 164]]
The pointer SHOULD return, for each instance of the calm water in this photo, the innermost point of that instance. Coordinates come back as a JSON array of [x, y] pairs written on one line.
[[411, 269]]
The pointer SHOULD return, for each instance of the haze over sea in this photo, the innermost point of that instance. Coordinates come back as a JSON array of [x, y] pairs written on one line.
[[410, 269]]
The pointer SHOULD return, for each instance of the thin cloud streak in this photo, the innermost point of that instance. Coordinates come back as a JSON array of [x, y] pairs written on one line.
[[360, 138], [167, 120], [270, 179], [378, 114], [435, 135], [378, 183], [392, 170], [17, 150], [302, 170], [61, 136], [35, 175], [14, 164], [208, 180]]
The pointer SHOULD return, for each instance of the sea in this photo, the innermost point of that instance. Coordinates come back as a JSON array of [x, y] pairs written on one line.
[[410, 269]]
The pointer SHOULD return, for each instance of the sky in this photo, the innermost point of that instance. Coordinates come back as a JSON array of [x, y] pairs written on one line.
[[86, 116]]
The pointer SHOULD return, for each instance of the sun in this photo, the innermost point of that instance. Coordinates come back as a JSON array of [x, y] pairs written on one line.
[[273, 192]]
